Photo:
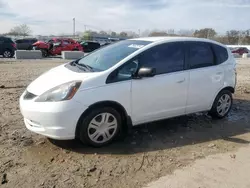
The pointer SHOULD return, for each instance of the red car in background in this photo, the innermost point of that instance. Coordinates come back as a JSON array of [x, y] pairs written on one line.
[[240, 50], [55, 46]]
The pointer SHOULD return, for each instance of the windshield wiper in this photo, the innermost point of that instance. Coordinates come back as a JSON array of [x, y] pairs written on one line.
[[89, 68]]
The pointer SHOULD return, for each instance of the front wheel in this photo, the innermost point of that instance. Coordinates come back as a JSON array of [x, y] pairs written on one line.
[[44, 53], [100, 127], [222, 104]]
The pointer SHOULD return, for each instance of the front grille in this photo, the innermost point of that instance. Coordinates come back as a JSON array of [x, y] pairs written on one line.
[[28, 96]]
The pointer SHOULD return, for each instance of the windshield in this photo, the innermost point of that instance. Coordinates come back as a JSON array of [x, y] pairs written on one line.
[[108, 56]]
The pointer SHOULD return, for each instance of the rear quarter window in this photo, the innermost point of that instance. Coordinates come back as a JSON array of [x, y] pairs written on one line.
[[220, 53]]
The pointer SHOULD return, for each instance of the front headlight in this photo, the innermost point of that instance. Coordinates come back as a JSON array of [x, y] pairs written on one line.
[[60, 93]]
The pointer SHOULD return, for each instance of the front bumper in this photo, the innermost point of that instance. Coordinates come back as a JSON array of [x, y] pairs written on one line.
[[55, 120]]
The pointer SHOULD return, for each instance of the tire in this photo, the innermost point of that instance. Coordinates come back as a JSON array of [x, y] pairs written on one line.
[[75, 50], [222, 105], [44, 53], [8, 53], [100, 127]]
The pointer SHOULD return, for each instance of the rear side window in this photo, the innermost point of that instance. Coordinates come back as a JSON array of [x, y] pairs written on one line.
[[220, 53], [165, 58], [200, 55]]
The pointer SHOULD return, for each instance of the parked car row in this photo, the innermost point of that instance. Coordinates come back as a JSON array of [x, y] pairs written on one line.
[[51, 47]]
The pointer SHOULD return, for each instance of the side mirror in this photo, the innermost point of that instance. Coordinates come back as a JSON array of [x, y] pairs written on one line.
[[146, 72]]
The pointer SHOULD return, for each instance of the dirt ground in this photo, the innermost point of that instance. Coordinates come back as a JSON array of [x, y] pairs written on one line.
[[227, 170], [149, 151]]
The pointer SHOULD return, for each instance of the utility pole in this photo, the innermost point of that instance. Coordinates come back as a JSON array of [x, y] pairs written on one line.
[[74, 27]]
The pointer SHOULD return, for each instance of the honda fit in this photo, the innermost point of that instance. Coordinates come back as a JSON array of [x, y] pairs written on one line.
[[131, 82]]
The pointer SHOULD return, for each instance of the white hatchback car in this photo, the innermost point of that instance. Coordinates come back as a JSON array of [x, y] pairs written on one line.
[[128, 83]]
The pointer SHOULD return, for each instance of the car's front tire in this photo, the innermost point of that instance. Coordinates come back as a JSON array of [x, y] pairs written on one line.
[[100, 127], [222, 104], [44, 53]]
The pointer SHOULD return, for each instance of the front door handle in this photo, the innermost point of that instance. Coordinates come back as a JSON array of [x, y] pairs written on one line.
[[181, 81]]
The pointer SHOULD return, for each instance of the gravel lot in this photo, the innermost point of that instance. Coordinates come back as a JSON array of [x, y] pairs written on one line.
[[147, 153]]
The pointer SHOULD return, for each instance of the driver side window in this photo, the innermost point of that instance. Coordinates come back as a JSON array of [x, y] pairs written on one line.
[[124, 72], [165, 58]]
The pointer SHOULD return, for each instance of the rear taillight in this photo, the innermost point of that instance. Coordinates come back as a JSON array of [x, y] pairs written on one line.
[[14, 45]]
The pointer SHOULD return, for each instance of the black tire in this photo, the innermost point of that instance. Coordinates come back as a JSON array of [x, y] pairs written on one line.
[[44, 53], [214, 111], [75, 49], [8, 53], [85, 122]]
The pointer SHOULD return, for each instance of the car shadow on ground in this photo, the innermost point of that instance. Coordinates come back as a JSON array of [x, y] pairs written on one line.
[[175, 132]]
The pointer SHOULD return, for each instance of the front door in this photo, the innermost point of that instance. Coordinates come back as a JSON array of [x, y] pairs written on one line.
[[165, 94]]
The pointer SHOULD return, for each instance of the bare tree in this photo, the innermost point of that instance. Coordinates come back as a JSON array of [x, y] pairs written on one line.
[[205, 33], [113, 34], [123, 34], [233, 36], [158, 33], [21, 30], [185, 32], [103, 33]]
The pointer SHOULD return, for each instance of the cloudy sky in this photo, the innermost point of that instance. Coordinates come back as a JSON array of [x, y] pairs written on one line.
[[55, 16]]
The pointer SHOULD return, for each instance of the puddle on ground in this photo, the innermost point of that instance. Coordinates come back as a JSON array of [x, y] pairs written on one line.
[[233, 117]]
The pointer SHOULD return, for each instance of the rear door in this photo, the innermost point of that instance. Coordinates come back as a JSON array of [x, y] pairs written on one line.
[[205, 76]]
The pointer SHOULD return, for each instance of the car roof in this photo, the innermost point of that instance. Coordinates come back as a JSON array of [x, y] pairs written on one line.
[[172, 39]]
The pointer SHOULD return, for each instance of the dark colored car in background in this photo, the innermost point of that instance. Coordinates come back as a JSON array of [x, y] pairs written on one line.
[[89, 46], [25, 44], [7, 47], [240, 51]]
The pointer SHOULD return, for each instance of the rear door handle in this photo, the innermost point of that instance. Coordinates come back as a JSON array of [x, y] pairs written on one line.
[[181, 81]]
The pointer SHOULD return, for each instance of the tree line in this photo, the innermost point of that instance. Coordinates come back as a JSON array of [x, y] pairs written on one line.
[[232, 37]]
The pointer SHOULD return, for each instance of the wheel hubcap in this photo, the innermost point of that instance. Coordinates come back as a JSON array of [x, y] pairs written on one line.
[[7, 54], [224, 104], [102, 128]]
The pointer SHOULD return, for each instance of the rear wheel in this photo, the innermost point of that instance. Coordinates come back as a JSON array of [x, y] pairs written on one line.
[[8, 54], [100, 127], [222, 104]]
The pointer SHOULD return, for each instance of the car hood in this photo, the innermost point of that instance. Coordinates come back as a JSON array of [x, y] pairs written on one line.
[[55, 77], [39, 42]]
